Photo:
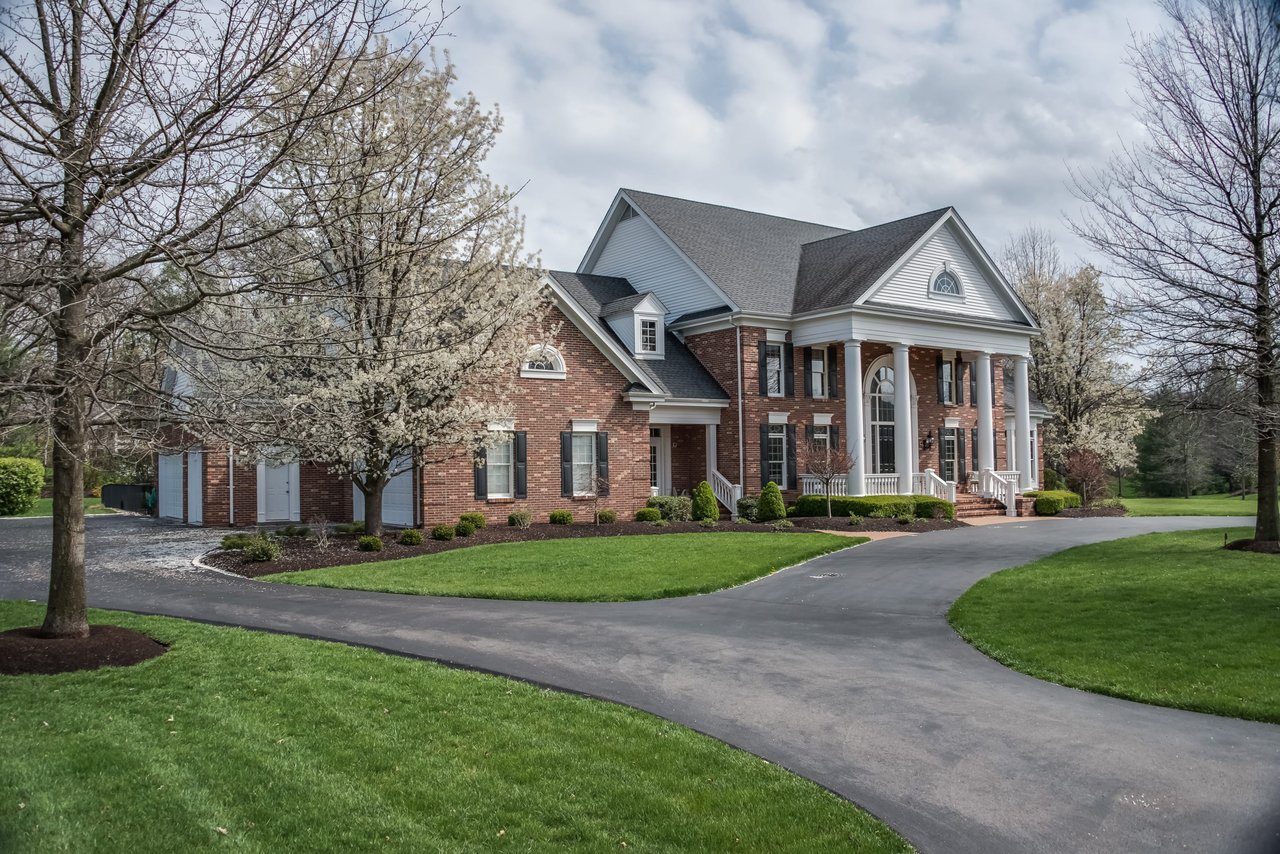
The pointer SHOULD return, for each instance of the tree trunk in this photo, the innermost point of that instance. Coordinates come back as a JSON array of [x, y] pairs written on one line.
[[1268, 523], [828, 501], [373, 507]]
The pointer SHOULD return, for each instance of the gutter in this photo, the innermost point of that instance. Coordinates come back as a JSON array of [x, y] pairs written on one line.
[[231, 486], [742, 471]]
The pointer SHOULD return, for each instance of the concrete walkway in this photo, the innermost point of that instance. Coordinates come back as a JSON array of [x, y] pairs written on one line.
[[854, 680]]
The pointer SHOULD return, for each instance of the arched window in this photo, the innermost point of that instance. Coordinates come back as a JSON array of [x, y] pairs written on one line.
[[945, 283], [543, 362], [880, 406]]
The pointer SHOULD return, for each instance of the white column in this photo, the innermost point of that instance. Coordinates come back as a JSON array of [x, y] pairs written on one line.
[[986, 429], [1022, 421], [854, 440], [713, 464], [903, 440]]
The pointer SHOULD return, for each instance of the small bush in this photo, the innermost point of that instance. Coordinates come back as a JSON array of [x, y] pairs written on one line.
[[648, 514], [783, 525], [20, 482], [476, 520], [1053, 502], [905, 519], [442, 532], [410, 537], [855, 519], [704, 504], [708, 523], [770, 506], [743, 520], [261, 549], [747, 507], [349, 528], [293, 531], [877, 506], [1053, 481], [1109, 504], [235, 542], [464, 529], [369, 543], [560, 517], [659, 523], [520, 519], [606, 517], [674, 508]]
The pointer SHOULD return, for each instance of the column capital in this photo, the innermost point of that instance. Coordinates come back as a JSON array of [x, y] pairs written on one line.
[[900, 346]]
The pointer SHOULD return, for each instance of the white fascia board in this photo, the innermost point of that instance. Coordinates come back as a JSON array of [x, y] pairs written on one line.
[[905, 257], [716, 402], [992, 270], [603, 341]]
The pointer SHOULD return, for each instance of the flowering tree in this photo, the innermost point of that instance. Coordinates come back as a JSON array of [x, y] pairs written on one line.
[[408, 302], [828, 465]]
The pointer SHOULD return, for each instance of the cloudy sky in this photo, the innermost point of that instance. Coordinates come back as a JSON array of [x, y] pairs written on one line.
[[845, 112]]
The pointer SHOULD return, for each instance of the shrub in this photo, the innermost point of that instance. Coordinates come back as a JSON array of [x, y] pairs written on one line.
[[783, 525], [855, 519], [1053, 480], [520, 519], [877, 506], [704, 503], [1053, 502], [708, 523], [476, 520], [928, 507], [233, 542], [747, 507], [293, 531], [674, 508], [659, 523], [648, 514], [410, 537], [262, 548], [1086, 473], [464, 529], [1109, 504], [349, 528], [20, 482], [906, 518], [560, 517], [606, 517], [369, 543], [770, 506], [442, 532]]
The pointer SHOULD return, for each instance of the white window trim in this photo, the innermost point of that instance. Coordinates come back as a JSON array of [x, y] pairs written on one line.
[[539, 374], [502, 425], [782, 369], [510, 466], [933, 278], [822, 419], [782, 478], [641, 353], [584, 425], [573, 462], [826, 371], [778, 418]]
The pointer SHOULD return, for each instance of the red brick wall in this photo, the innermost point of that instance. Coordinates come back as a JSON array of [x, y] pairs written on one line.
[[543, 408], [718, 353], [688, 456]]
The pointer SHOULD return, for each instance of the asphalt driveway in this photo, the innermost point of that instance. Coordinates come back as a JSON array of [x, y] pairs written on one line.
[[843, 669]]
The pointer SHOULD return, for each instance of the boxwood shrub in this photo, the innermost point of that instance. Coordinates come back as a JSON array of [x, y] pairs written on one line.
[[20, 482], [877, 506], [674, 508], [369, 543], [442, 532], [476, 520], [262, 548], [560, 517], [520, 519], [648, 514], [606, 517], [1051, 502], [410, 537], [464, 528]]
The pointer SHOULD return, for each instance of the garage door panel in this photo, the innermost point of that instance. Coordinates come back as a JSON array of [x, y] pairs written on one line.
[[169, 483]]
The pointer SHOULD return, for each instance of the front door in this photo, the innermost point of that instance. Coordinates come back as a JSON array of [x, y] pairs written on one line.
[[278, 500], [657, 463], [952, 455]]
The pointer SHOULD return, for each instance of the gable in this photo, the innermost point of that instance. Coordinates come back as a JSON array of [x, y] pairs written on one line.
[[636, 251], [982, 295]]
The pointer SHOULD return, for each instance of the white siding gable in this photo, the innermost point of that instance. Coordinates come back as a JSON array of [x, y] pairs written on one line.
[[909, 286], [625, 326], [637, 252]]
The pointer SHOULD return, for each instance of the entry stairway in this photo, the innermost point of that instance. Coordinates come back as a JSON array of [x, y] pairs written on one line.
[[969, 505]]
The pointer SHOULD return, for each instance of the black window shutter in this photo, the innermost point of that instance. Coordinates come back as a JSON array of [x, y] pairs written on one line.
[[973, 449], [764, 369], [942, 452], [808, 433], [602, 463], [791, 457], [521, 450], [764, 455], [973, 383], [482, 475], [962, 458], [959, 384], [566, 464], [834, 431], [941, 399], [789, 370], [833, 374], [808, 375]]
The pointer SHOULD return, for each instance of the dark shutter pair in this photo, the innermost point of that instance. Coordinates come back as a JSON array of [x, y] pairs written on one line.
[[519, 459], [961, 456], [788, 369], [566, 464], [789, 473], [957, 381], [833, 377], [833, 435]]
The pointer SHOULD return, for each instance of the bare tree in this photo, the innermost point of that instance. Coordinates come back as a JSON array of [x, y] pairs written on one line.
[[136, 135], [828, 465], [1191, 216]]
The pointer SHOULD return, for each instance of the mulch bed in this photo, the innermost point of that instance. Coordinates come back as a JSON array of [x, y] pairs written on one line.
[[24, 651], [1266, 547], [1090, 512], [302, 554]]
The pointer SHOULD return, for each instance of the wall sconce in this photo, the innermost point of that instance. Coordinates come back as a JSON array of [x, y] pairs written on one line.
[[927, 442]]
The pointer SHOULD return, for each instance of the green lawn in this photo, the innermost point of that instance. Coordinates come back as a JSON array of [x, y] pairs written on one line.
[[1197, 505], [44, 507], [1170, 619], [273, 743], [595, 569]]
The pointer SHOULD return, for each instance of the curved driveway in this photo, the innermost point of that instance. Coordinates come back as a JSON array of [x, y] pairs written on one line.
[[855, 681]]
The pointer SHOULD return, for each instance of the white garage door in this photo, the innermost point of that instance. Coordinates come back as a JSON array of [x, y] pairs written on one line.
[[397, 498], [195, 486], [277, 488], [169, 480]]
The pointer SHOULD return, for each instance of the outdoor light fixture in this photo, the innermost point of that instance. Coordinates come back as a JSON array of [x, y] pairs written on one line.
[[927, 442]]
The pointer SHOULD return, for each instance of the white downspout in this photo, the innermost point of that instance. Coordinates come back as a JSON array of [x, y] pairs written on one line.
[[231, 486], [742, 469]]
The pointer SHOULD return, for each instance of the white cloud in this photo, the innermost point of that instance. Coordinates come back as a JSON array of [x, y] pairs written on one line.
[[843, 113]]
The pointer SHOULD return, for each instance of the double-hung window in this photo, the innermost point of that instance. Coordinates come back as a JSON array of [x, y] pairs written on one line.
[[648, 336], [500, 465], [822, 438], [818, 371], [584, 463], [774, 384], [947, 382], [776, 455]]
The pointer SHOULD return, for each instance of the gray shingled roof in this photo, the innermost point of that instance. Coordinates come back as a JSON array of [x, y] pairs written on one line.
[[621, 304], [752, 257], [678, 373], [838, 270]]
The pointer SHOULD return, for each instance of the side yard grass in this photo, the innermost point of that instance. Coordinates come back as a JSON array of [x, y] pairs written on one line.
[[273, 743], [1196, 505], [604, 569], [44, 507], [1169, 619]]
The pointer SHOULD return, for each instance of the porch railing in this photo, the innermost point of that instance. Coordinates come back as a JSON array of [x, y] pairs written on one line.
[[881, 484], [726, 493], [812, 485], [1003, 487], [927, 482]]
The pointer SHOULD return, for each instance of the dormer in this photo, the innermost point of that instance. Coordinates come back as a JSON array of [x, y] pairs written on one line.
[[638, 319]]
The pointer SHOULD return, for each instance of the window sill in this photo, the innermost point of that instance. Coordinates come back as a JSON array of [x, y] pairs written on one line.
[[500, 501], [585, 497]]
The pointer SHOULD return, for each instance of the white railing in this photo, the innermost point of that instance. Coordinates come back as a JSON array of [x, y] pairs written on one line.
[[928, 483], [726, 493], [812, 485], [1003, 487], [881, 484]]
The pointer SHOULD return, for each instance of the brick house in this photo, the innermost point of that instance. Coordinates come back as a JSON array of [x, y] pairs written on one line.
[[703, 342]]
